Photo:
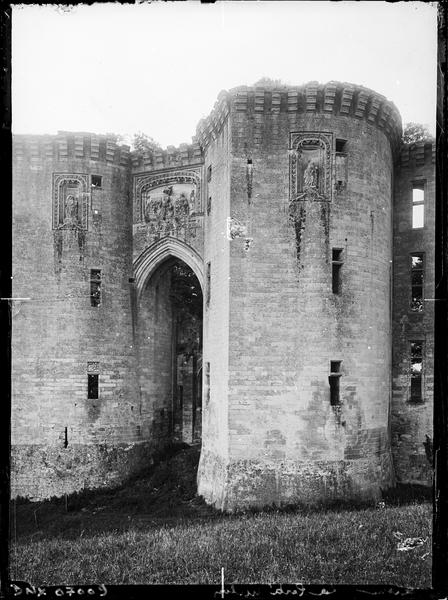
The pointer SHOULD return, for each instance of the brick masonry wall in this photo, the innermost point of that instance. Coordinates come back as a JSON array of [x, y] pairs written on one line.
[[412, 422], [286, 442], [57, 332], [212, 471]]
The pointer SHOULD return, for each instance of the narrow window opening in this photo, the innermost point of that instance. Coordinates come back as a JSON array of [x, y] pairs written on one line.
[[417, 281], [418, 206], [209, 173], [65, 438], [341, 146], [95, 287], [249, 161], [207, 382], [209, 205], [96, 181], [334, 381], [416, 392], [208, 280], [92, 386], [337, 262]]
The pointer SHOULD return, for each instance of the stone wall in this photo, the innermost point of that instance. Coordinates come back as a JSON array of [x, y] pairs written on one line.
[[216, 342], [278, 184], [64, 225], [412, 421], [287, 443]]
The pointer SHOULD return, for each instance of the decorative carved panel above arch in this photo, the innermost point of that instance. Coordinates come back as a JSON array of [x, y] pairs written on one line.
[[168, 204]]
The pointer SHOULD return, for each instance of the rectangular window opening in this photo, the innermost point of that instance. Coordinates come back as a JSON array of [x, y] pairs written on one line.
[[92, 386], [418, 206], [334, 381], [208, 283], [416, 374], [417, 281], [96, 181], [209, 173], [337, 262], [341, 146], [95, 287]]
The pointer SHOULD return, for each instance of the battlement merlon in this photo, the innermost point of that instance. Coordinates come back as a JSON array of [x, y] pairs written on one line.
[[333, 98], [70, 145], [171, 157], [418, 154]]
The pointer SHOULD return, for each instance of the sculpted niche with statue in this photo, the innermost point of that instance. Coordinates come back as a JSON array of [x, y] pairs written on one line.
[[310, 166], [70, 201]]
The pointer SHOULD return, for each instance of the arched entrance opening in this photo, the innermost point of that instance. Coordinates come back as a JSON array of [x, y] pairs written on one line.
[[169, 334]]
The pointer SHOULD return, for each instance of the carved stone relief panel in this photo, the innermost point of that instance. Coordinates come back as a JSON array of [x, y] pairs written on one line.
[[70, 201], [311, 166], [168, 204]]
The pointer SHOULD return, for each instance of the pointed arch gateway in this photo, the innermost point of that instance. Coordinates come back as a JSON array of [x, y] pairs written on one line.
[[168, 298], [153, 256]]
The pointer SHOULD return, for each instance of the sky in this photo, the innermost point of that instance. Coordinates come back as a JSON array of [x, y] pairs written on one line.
[[158, 68]]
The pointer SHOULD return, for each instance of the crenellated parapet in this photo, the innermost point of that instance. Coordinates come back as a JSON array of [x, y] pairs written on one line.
[[68, 146], [332, 98], [171, 157], [211, 126], [418, 153]]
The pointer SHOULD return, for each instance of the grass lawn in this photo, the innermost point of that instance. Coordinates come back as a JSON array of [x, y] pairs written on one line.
[[154, 530]]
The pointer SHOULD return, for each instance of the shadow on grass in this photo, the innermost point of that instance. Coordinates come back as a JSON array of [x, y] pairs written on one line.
[[164, 495]]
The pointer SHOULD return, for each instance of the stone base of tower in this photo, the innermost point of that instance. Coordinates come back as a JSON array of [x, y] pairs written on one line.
[[39, 472], [247, 484]]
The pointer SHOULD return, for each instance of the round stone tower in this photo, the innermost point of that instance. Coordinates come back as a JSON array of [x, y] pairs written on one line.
[[303, 235], [76, 418]]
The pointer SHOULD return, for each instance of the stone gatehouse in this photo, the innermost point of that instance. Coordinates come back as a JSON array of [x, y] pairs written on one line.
[[265, 291]]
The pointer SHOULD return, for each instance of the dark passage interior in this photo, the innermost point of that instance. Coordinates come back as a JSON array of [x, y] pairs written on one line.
[[170, 354], [186, 301]]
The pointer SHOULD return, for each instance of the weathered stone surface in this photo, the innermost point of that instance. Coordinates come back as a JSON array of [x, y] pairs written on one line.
[[275, 180]]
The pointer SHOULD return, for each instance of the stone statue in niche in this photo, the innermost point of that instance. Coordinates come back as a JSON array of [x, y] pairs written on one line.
[[71, 216], [70, 201], [310, 166], [310, 176]]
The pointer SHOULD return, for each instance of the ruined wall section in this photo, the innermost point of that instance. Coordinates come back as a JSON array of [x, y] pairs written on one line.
[[287, 443], [212, 472], [66, 222], [412, 421]]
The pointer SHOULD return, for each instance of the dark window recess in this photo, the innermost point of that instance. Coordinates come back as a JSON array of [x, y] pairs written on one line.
[[208, 284], [92, 386], [209, 205], [95, 287], [334, 381], [65, 438], [341, 146], [416, 394], [336, 267], [417, 281], [209, 173], [96, 181]]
